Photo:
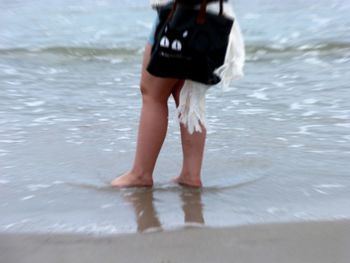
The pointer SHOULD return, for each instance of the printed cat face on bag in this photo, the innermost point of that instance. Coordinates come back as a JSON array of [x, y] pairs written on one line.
[[173, 43]]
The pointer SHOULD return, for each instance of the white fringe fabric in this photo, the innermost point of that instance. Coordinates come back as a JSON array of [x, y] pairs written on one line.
[[191, 110]]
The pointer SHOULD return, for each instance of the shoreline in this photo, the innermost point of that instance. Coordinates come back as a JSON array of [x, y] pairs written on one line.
[[307, 241]]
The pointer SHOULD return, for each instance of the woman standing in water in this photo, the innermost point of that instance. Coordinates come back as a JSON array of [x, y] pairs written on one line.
[[153, 124]]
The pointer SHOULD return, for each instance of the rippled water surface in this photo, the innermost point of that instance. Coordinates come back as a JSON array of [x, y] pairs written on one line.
[[278, 143]]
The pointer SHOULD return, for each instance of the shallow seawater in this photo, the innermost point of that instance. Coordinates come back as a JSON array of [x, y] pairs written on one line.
[[278, 143]]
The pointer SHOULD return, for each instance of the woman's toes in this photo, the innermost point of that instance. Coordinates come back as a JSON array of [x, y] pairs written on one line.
[[130, 180], [176, 179], [119, 181]]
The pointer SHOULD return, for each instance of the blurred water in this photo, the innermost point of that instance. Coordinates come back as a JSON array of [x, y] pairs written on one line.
[[278, 144]]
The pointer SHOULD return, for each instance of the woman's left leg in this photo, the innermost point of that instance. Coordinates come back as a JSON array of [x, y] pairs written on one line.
[[192, 148]]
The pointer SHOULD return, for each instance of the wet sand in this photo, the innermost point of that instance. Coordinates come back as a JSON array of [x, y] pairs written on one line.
[[326, 241]]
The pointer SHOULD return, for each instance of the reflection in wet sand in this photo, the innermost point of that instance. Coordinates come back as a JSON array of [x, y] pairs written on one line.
[[147, 219], [192, 205], [146, 214]]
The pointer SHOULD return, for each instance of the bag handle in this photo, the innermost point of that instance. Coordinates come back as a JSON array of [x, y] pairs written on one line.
[[202, 11]]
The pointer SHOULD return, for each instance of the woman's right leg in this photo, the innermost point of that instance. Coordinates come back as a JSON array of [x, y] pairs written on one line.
[[152, 127], [192, 148]]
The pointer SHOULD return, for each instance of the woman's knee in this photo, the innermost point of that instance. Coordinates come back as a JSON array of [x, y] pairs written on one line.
[[156, 89], [149, 92]]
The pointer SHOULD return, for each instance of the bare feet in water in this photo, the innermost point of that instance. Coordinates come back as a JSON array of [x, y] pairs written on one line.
[[130, 179], [181, 180]]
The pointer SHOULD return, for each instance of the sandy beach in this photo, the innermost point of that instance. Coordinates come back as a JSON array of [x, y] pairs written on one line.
[[326, 241]]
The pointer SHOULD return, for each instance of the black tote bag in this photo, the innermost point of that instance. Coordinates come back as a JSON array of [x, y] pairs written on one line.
[[190, 43]]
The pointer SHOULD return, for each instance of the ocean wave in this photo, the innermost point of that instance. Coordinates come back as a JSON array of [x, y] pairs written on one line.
[[251, 48], [326, 47], [72, 51]]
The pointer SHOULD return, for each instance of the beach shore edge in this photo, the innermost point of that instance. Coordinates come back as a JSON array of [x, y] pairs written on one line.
[[307, 241]]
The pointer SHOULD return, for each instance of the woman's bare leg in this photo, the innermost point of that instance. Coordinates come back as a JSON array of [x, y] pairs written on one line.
[[192, 148], [152, 127]]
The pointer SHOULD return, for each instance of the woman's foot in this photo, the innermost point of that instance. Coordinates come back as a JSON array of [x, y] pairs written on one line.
[[181, 180], [130, 179]]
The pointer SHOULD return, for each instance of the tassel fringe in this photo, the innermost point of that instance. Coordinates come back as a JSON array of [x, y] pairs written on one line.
[[191, 109]]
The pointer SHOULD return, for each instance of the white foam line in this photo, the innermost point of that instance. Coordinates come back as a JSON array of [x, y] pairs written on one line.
[[329, 186], [321, 192], [35, 103], [27, 197], [35, 187], [4, 181]]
